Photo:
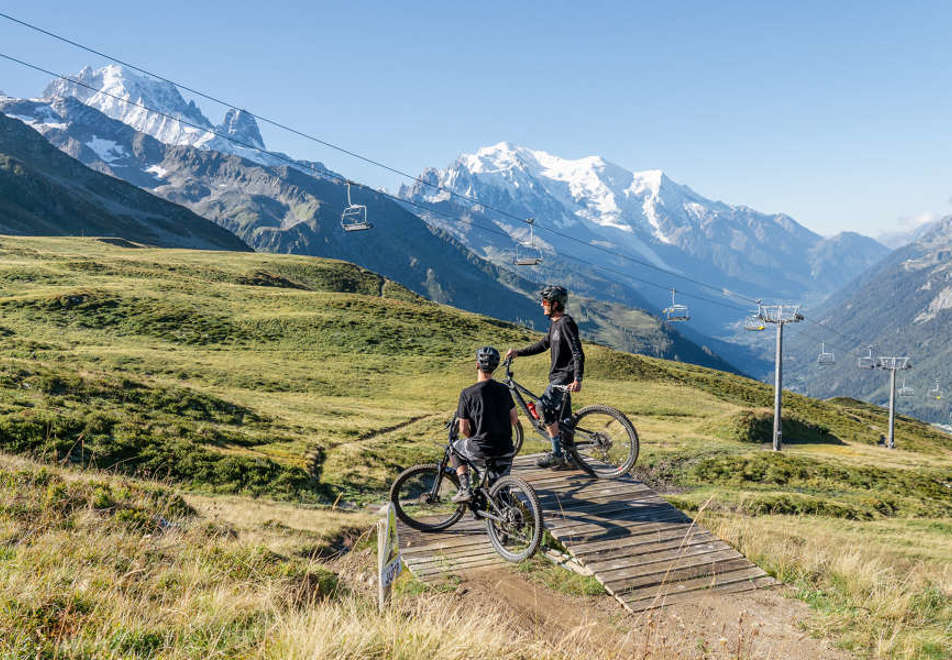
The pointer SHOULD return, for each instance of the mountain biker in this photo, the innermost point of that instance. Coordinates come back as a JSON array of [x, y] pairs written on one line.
[[486, 414], [568, 365]]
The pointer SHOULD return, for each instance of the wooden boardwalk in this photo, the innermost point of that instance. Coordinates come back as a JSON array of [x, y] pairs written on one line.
[[644, 551]]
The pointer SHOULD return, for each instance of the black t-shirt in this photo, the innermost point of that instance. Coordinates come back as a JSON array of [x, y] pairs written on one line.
[[568, 360], [486, 405]]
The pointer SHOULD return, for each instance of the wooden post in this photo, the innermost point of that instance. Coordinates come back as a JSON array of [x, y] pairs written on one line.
[[388, 556], [383, 589]]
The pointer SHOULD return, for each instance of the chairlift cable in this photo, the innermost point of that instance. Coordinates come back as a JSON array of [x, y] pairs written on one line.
[[720, 290]]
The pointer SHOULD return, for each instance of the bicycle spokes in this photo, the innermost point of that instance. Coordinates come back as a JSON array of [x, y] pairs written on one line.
[[606, 443], [515, 527], [420, 497]]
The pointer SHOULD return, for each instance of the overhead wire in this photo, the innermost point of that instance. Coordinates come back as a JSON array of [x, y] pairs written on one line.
[[471, 199]]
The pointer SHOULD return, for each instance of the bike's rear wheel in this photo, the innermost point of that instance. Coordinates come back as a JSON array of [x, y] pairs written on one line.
[[420, 506], [519, 532], [605, 442], [517, 438]]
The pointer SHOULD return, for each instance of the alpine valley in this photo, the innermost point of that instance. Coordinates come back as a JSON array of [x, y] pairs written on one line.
[[275, 203]]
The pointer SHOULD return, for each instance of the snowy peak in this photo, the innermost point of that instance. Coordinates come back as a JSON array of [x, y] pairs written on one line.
[[240, 125], [125, 95], [122, 94]]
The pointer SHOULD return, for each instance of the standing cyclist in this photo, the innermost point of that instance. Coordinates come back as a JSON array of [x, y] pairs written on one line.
[[568, 364], [486, 414]]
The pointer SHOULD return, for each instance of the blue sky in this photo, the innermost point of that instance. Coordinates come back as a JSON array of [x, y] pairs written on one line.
[[835, 113]]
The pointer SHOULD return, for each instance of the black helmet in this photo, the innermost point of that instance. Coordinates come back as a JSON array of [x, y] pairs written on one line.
[[487, 358], [555, 294]]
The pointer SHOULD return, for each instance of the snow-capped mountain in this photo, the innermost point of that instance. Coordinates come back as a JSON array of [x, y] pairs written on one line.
[[644, 215], [124, 95]]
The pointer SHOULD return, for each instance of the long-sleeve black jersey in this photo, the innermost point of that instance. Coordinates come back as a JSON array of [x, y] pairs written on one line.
[[568, 360]]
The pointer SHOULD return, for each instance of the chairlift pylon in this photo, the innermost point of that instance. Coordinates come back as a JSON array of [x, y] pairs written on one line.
[[676, 312], [354, 217], [825, 357], [528, 254], [867, 361]]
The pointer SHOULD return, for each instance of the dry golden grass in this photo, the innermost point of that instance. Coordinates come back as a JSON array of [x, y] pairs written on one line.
[[880, 587]]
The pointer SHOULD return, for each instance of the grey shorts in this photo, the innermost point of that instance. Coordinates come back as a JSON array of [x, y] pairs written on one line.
[[552, 400], [468, 449]]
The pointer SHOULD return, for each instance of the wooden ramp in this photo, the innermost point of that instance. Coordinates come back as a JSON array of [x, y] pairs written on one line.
[[644, 551]]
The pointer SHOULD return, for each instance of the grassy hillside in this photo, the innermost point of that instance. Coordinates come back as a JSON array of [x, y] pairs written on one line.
[[44, 191], [304, 380]]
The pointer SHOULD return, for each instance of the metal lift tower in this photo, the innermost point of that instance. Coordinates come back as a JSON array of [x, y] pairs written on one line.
[[779, 315], [892, 365]]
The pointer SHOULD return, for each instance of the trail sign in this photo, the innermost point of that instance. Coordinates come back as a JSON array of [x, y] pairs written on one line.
[[388, 556]]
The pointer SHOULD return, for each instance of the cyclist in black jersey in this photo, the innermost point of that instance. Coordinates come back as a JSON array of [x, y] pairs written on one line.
[[486, 414], [568, 367]]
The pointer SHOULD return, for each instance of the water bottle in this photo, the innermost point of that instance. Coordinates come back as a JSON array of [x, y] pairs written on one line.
[[532, 410]]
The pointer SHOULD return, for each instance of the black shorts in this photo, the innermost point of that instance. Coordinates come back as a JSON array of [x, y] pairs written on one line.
[[498, 465], [552, 400]]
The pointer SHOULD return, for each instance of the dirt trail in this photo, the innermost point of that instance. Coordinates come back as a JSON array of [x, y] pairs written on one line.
[[760, 624]]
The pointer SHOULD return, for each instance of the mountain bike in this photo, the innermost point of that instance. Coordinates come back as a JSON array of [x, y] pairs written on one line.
[[421, 498], [601, 439]]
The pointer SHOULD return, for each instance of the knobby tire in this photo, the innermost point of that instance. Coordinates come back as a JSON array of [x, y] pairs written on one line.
[[629, 447], [427, 473], [534, 514]]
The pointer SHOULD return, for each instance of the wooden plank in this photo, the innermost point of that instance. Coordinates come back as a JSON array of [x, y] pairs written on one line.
[[674, 599], [672, 573], [623, 500], [625, 526], [442, 560], [570, 503], [697, 584], [570, 482], [650, 513], [671, 553], [451, 554], [663, 534]]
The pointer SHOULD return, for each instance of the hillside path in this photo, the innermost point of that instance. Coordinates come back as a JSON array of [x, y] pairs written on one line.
[[645, 552]]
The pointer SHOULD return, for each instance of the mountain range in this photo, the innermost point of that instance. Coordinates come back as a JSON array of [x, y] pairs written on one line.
[[615, 218], [278, 204]]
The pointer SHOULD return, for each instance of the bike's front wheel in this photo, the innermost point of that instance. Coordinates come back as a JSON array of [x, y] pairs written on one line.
[[421, 497], [605, 441], [517, 533]]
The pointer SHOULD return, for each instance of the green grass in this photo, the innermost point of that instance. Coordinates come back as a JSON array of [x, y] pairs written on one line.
[[303, 380]]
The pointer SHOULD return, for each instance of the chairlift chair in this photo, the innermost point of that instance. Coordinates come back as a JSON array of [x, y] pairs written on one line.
[[936, 391], [676, 312], [755, 322], [825, 357], [905, 390], [528, 254], [354, 217], [867, 361]]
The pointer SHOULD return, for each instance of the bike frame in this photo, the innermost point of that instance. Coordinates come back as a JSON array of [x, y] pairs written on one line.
[[519, 390], [482, 476]]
